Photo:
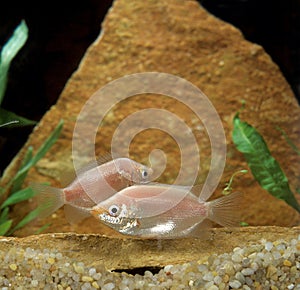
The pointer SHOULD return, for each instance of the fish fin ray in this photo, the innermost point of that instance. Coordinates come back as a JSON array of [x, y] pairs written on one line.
[[49, 198], [75, 214], [224, 210], [104, 158]]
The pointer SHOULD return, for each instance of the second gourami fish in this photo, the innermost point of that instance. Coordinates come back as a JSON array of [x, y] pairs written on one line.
[[90, 187], [164, 211]]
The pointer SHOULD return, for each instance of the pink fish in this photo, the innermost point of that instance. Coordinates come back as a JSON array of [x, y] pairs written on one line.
[[90, 187], [164, 211]]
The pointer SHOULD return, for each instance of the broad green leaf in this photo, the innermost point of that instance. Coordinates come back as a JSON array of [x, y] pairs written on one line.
[[265, 169], [4, 227], [10, 119], [16, 197], [19, 181], [9, 51], [27, 219]]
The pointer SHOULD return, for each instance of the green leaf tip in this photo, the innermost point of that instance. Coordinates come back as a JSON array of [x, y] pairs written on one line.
[[10, 119], [9, 51], [265, 169]]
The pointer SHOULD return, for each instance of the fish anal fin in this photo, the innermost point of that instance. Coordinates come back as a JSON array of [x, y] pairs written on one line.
[[202, 231], [75, 214]]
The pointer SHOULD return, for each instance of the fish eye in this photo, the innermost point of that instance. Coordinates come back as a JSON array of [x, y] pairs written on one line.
[[113, 210], [144, 173]]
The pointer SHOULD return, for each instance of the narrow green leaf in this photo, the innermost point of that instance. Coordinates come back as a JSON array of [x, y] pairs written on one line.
[[17, 183], [41, 229], [4, 215], [10, 119], [41, 152], [8, 52], [27, 219], [21, 195], [265, 169], [49, 142], [9, 124], [4, 227]]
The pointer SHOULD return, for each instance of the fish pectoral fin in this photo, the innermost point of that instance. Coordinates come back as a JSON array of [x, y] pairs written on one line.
[[75, 214]]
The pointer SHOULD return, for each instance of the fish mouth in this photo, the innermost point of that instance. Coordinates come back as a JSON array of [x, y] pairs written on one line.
[[98, 211]]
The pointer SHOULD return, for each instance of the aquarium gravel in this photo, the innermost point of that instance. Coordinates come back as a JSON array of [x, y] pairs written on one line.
[[266, 265]]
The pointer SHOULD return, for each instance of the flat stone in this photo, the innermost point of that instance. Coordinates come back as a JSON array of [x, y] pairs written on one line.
[[183, 39], [122, 253]]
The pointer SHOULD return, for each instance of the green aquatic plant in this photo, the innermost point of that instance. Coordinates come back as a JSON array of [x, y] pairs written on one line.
[[8, 52], [264, 167], [228, 188], [14, 185]]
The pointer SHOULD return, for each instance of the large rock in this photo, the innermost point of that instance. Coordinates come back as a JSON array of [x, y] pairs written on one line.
[[180, 38], [119, 253]]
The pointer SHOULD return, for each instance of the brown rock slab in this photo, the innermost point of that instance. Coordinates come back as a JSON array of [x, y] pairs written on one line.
[[179, 38], [120, 253]]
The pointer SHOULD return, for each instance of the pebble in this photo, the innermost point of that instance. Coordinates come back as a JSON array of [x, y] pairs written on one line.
[[268, 246], [13, 267], [235, 284], [87, 279], [267, 265], [287, 263], [247, 271], [95, 285]]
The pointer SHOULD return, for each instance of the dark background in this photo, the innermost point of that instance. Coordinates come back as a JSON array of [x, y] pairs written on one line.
[[60, 32]]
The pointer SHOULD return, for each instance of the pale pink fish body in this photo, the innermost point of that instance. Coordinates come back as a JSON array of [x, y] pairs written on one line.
[[139, 211], [92, 186]]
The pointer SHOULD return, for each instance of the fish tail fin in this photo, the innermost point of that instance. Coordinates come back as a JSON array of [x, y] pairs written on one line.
[[224, 210], [48, 198]]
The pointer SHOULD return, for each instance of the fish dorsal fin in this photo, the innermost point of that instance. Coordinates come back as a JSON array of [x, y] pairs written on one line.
[[75, 214], [67, 177], [196, 190], [104, 158]]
